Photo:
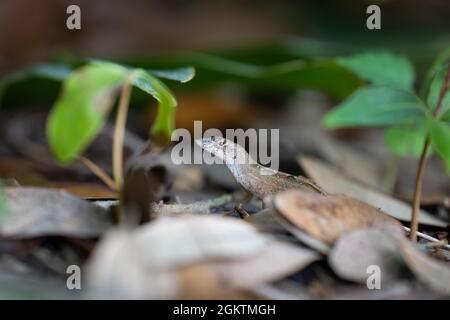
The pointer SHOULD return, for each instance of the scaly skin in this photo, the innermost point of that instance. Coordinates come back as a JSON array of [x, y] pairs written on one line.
[[249, 174]]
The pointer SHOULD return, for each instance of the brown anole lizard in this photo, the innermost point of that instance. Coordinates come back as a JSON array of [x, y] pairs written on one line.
[[254, 178]]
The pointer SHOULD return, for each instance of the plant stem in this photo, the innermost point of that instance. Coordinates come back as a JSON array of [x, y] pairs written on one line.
[[119, 133], [99, 172], [418, 191], [421, 165]]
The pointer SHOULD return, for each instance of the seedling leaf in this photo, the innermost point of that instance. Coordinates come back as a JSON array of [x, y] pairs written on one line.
[[435, 90], [440, 139], [181, 74], [375, 106], [80, 112], [164, 123], [406, 140], [446, 116], [381, 68]]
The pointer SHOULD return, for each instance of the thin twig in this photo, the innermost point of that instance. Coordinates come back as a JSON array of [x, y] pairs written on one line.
[[421, 165], [99, 172], [119, 133], [427, 237]]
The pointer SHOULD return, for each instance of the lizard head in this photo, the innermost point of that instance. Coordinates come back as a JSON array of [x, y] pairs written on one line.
[[226, 150], [219, 147], [215, 145]]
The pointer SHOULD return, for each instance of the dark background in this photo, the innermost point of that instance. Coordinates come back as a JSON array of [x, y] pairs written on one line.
[[32, 31]]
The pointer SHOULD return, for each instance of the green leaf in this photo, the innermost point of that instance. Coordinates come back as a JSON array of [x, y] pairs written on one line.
[[324, 74], [440, 139], [406, 140], [180, 74], [78, 115], [381, 68], [164, 123], [440, 63], [56, 72], [50, 71], [446, 116], [435, 88], [375, 106]]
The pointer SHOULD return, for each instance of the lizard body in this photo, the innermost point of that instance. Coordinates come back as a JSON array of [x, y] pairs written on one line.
[[256, 179]]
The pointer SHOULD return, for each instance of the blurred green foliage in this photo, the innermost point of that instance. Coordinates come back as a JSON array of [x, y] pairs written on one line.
[[407, 119], [88, 95]]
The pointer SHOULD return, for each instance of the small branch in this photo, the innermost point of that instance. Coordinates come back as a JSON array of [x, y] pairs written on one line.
[[427, 237], [421, 166], [99, 172], [119, 133]]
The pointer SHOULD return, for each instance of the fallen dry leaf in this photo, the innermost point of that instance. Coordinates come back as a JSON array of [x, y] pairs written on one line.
[[354, 163], [33, 212], [433, 273], [326, 218], [356, 251], [334, 181], [231, 252], [84, 189], [276, 261]]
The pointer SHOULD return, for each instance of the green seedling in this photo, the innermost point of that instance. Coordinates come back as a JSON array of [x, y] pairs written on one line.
[[86, 100], [414, 125]]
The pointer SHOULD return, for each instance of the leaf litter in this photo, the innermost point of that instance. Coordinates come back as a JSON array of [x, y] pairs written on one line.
[[193, 250], [228, 250]]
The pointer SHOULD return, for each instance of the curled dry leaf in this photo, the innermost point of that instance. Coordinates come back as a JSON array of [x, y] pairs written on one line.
[[431, 272], [230, 252], [326, 218], [356, 251], [334, 181], [114, 271], [33, 212], [276, 261], [195, 239]]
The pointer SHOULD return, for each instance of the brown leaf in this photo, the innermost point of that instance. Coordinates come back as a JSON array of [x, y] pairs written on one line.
[[33, 212], [154, 260], [333, 181], [354, 252], [353, 162], [431, 272], [276, 261], [83, 189], [326, 218]]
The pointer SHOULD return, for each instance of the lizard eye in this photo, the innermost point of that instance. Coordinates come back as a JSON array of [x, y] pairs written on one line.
[[213, 138]]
